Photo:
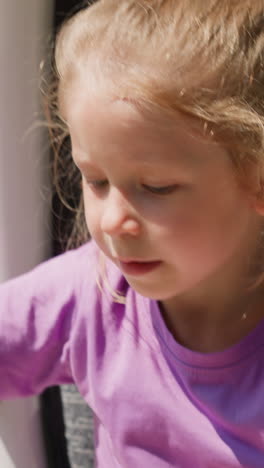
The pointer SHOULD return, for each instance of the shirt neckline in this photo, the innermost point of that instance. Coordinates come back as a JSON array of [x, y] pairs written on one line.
[[175, 352]]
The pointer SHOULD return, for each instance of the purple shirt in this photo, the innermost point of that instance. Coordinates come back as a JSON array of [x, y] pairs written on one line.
[[156, 404]]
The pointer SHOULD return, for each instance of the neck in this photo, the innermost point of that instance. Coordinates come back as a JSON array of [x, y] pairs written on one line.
[[216, 320], [222, 309]]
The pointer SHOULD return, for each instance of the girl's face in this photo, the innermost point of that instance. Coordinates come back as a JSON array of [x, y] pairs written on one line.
[[161, 202]]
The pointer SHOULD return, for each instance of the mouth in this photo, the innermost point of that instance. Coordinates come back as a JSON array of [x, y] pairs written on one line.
[[137, 267]]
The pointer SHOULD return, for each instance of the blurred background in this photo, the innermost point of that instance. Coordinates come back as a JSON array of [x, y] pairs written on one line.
[[55, 429]]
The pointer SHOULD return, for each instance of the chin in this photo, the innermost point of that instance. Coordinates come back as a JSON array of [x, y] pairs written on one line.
[[150, 292]]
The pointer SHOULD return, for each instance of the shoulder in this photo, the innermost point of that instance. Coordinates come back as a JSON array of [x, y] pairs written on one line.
[[64, 265], [59, 277], [72, 261]]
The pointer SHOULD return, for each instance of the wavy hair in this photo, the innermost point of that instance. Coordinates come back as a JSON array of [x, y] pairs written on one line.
[[203, 58]]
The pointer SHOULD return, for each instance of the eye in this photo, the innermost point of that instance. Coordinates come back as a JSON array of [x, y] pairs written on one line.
[[97, 184], [162, 190]]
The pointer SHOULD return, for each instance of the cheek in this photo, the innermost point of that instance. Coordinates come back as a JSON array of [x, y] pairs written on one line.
[[205, 238], [199, 229], [92, 217]]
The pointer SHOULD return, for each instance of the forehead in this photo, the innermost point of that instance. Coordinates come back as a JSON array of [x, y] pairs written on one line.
[[103, 124]]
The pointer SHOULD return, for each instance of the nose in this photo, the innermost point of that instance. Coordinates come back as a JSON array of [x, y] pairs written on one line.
[[118, 216]]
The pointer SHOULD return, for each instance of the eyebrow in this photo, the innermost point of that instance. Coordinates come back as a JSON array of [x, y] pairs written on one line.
[[180, 157]]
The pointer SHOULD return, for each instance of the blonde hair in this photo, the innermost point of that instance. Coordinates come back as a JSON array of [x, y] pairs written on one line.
[[204, 58]]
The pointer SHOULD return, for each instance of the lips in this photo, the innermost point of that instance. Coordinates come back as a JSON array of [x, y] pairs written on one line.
[[132, 267]]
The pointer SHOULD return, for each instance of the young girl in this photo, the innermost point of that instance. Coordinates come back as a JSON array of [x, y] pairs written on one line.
[[159, 319]]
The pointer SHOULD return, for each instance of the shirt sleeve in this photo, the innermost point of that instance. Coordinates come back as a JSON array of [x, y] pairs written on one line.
[[36, 313]]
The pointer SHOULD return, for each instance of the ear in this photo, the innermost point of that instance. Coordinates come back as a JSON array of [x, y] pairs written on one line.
[[259, 208], [257, 199], [258, 205], [255, 179]]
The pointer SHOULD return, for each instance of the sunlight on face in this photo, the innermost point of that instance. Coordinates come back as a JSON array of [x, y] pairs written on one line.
[[159, 194]]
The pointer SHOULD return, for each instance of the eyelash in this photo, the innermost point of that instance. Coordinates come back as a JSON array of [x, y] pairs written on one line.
[[163, 190], [97, 184]]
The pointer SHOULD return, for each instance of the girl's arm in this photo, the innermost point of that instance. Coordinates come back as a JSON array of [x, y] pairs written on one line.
[[36, 312]]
